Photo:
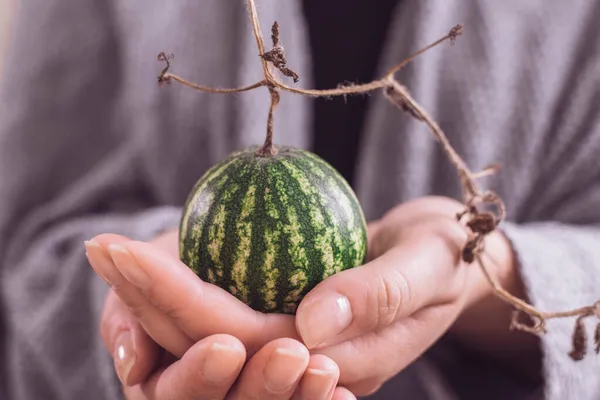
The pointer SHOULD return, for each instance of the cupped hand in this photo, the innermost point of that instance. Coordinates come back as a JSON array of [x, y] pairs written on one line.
[[215, 367], [372, 321], [157, 303], [376, 319]]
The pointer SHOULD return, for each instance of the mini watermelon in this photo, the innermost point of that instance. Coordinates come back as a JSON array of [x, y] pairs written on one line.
[[269, 228]]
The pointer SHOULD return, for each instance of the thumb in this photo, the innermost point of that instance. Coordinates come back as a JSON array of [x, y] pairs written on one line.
[[368, 298]]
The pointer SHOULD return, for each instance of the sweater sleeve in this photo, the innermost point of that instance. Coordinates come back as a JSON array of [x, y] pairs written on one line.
[[53, 303], [555, 233], [67, 173], [555, 227], [560, 266]]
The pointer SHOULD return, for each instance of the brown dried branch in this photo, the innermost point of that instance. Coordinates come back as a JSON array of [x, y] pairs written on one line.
[[597, 339], [452, 35], [479, 222], [166, 77], [163, 78], [489, 170], [579, 340]]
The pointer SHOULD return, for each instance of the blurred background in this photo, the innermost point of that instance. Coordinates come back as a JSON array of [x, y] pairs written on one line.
[[7, 9]]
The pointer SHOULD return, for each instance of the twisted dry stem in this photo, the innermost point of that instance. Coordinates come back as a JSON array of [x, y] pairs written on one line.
[[480, 223]]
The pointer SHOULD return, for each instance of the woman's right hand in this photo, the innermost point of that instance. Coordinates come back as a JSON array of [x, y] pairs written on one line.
[[163, 352], [213, 368]]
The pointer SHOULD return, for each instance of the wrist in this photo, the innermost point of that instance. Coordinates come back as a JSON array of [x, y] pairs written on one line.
[[481, 306], [484, 324], [500, 262]]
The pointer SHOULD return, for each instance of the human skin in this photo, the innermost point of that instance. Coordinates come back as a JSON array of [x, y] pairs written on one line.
[[413, 290]]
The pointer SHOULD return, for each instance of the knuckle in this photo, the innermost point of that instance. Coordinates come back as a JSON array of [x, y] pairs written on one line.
[[392, 292], [137, 310], [176, 313], [137, 307], [179, 309], [126, 300]]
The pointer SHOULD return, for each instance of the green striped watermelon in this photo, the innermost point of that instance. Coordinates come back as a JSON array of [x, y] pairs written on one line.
[[268, 229]]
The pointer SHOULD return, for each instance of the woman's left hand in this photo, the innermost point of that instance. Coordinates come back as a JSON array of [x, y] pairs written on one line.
[[376, 319]]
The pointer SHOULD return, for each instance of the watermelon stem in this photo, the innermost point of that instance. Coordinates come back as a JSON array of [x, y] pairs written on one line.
[[267, 149]]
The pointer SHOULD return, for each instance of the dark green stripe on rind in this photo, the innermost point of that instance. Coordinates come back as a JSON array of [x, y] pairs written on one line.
[[205, 254], [341, 193], [318, 228], [283, 255], [258, 278], [231, 199], [329, 207], [194, 207], [197, 210], [302, 231]]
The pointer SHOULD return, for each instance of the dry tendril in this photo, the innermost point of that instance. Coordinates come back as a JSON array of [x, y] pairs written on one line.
[[479, 222], [276, 55]]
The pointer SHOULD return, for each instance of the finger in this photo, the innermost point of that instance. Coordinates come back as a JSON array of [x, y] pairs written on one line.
[[319, 379], [383, 354], [343, 394], [206, 371], [135, 354], [273, 372], [373, 228], [437, 214], [155, 323], [414, 274], [169, 242], [366, 387], [193, 305]]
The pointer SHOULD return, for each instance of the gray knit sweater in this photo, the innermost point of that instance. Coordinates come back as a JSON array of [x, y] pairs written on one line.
[[90, 144]]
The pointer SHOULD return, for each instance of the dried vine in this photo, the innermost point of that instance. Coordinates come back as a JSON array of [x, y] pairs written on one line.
[[480, 223]]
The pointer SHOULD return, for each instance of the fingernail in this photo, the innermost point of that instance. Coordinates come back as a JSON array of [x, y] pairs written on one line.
[[128, 266], [284, 369], [216, 367], [124, 356], [102, 263], [323, 318], [319, 384]]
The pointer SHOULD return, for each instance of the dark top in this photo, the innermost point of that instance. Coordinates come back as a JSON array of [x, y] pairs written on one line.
[[346, 38]]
